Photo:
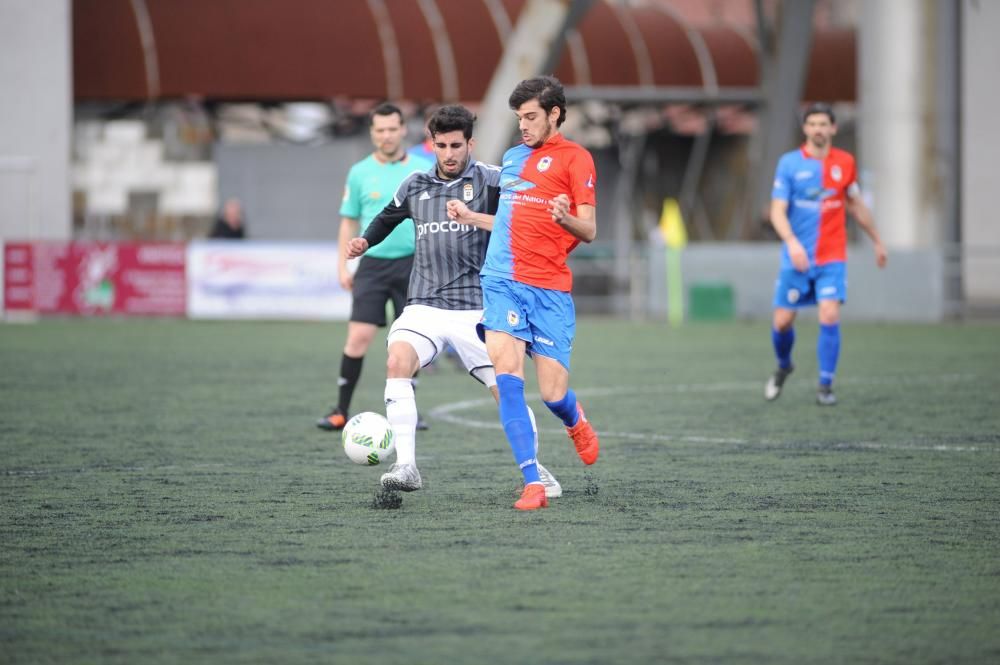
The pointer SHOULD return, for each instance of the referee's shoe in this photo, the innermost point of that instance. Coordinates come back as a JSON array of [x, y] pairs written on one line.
[[333, 421]]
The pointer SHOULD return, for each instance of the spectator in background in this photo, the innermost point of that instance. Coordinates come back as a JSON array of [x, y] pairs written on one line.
[[230, 224]]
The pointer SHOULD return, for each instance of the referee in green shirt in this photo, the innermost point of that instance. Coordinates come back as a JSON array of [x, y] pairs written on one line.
[[384, 271]]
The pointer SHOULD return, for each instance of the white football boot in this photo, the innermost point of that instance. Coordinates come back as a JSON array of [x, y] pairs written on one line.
[[553, 490], [402, 477]]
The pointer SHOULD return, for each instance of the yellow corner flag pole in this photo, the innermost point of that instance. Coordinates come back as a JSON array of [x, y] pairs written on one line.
[[675, 238]]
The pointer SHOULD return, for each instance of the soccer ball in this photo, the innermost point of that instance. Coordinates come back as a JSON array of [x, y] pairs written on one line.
[[368, 438]]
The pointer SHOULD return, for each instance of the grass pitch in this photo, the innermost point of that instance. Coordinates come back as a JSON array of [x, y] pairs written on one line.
[[165, 497]]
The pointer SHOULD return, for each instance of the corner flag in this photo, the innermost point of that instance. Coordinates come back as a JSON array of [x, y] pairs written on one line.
[[675, 238], [672, 226]]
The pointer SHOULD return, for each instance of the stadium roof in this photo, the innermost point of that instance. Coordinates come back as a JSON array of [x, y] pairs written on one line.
[[427, 50]]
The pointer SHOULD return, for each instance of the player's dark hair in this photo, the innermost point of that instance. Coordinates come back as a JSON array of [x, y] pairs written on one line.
[[819, 107], [453, 117], [384, 109], [546, 89]]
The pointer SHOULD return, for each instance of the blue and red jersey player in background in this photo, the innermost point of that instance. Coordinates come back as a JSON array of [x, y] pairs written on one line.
[[815, 187], [547, 207]]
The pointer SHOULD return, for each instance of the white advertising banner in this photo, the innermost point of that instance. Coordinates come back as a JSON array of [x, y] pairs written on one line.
[[246, 279]]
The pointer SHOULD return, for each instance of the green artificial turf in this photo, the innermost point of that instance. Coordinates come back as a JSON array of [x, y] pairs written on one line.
[[165, 497]]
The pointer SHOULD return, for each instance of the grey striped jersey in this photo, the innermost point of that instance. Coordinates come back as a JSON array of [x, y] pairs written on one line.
[[448, 255]]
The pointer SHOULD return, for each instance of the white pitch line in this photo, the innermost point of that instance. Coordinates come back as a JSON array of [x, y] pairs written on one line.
[[450, 413], [446, 412], [116, 469]]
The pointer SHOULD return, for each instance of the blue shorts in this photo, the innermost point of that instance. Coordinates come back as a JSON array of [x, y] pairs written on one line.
[[794, 289], [543, 318]]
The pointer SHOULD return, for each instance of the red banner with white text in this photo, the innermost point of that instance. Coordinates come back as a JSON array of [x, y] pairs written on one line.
[[94, 279]]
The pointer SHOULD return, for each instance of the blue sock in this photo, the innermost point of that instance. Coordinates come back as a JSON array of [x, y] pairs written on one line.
[[517, 425], [783, 343], [565, 409], [827, 352]]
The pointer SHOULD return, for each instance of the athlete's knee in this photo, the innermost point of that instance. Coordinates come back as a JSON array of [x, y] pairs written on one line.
[[783, 319], [553, 379], [506, 355], [829, 312], [554, 392], [828, 320], [359, 338], [505, 366], [401, 365]]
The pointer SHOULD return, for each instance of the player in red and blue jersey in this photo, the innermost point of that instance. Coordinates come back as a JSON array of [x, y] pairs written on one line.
[[814, 187], [547, 207]]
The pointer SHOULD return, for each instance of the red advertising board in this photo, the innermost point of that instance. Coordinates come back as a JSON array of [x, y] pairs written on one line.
[[18, 278], [93, 279]]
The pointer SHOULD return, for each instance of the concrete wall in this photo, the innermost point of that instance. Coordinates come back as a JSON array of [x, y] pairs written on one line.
[[911, 288], [289, 192], [980, 146], [908, 105], [35, 119]]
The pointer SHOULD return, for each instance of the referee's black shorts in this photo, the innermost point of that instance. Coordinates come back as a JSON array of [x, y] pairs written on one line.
[[376, 282]]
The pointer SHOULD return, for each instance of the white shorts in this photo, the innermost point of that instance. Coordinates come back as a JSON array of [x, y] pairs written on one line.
[[430, 329]]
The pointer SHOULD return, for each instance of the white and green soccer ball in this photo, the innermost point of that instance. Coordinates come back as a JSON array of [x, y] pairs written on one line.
[[368, 438]]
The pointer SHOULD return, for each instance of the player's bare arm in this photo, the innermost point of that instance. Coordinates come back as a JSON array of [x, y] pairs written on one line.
[[583, 225], [859, 211], [459, 212], [779, 220], [348, 229]]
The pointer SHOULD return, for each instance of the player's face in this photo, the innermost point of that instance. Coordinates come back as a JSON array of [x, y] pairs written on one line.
[[819, 130], [535, 124], [387, 135], [452, 151]]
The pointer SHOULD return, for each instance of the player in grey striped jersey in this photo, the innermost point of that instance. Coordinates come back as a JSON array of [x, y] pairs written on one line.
[[445, 301]]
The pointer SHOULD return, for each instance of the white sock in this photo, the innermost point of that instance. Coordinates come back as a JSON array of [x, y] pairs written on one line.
[[534, 429], [401, 412]]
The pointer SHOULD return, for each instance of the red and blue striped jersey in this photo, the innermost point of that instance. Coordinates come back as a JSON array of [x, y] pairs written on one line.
[[527, 246], [816, 191]]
